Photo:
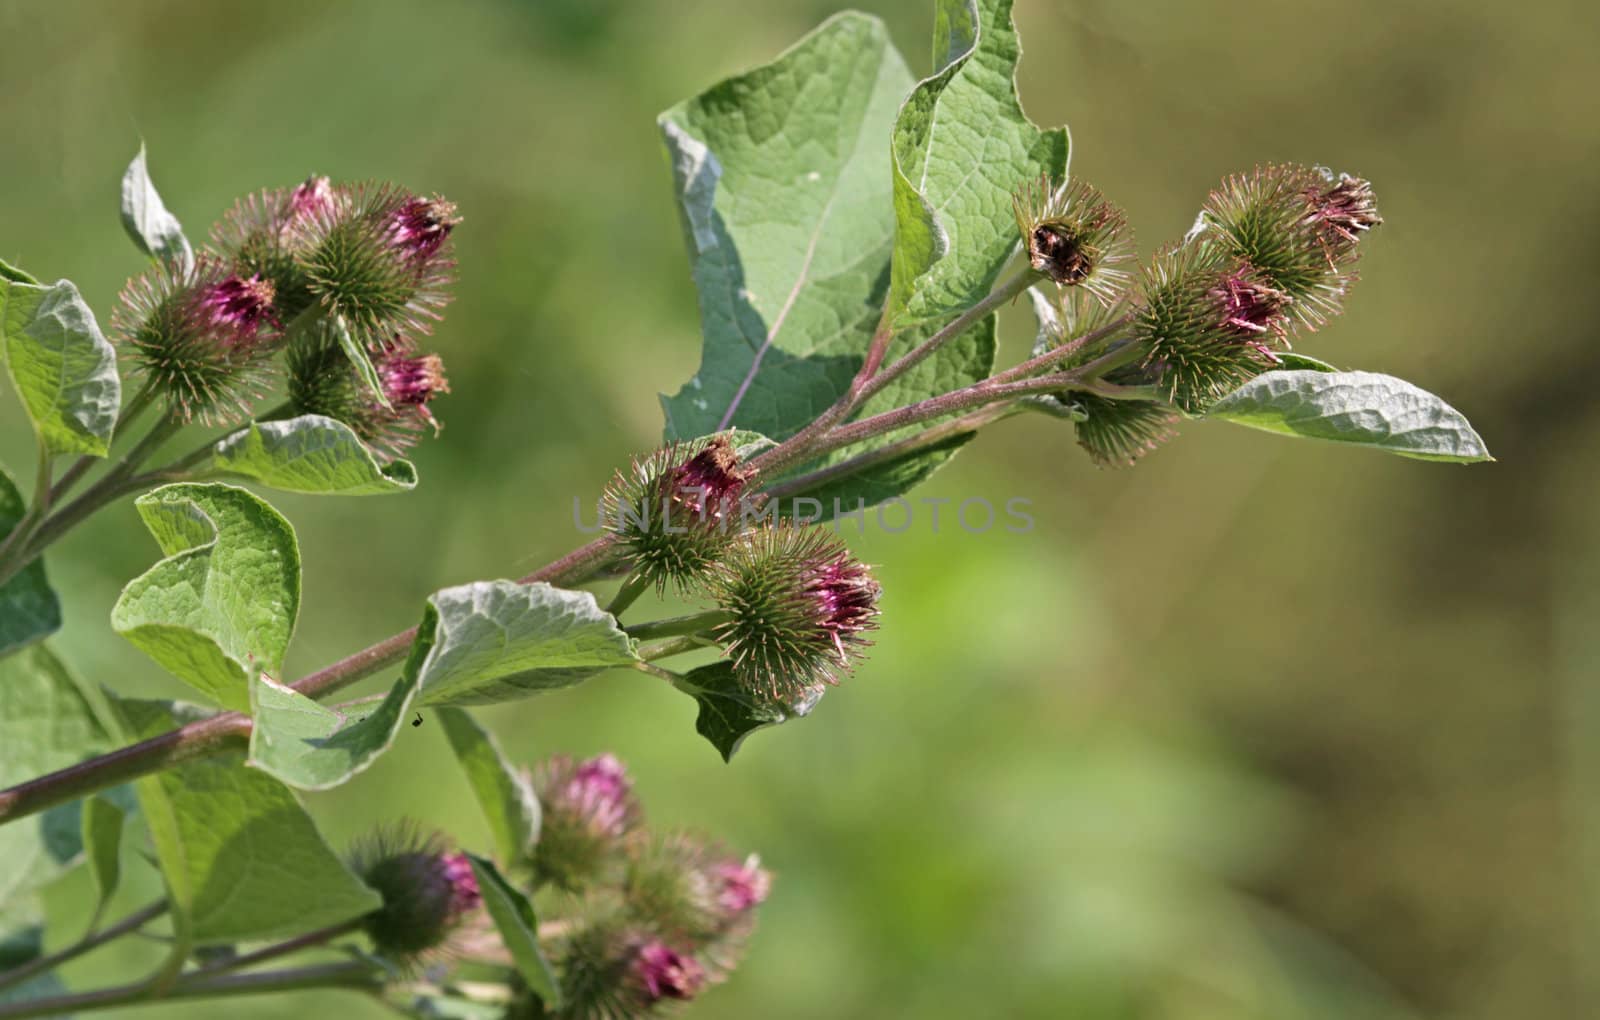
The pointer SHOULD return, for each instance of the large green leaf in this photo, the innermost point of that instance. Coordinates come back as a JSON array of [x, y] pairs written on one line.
[[313, 747], [509, 804], [224, 601], [61, 365], [46, 723], [514, 918], [155, 230], [729, 713], [311, 454], [29, 609], [782, 177], [1358, 408], [499, 640], [962, 146], [241, 858]]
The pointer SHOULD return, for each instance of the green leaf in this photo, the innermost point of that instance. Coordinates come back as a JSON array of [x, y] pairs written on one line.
[[1288, 361], [46, 723], [782, 178], [12, 274], [509, 804], [356, 351], [241, 858], [22, 942], [155, 230], [962, 146], [453, 1007], [1359, 408], [519, 929], [310, 454], [29, 609], [225, 598], [61, 365], [313, 747], [499, 640], [729, 713], [102, 825]]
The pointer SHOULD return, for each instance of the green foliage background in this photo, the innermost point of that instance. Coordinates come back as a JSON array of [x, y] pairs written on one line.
[[1256, 729]]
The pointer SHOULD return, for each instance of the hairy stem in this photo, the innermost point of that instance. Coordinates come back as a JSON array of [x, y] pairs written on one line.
[[354, 975], [310, 940], [677, 625], [630, 591], [80, 467], [928, 437], [133, 922], [231, 730]]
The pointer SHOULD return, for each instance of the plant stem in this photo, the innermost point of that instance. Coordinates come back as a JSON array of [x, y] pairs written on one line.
[[132, 922], [117, 482], [230, 730], [80, 467], [671, 647], [677, 625], [354, 975], [1116, 358], [1003, 293], [630, 591], [889, 451], [272, 952]]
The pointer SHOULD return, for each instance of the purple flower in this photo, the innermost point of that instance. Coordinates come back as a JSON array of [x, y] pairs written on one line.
[[664, 973], [312, 198], [412, 381], [1343, 211], [845, 598], [1252, 312], [420, 226], [710, 482], [464, 894], [237, 308], [599, 791], [742, 884]]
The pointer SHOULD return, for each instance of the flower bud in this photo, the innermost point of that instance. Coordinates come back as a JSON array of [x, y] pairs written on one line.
[[378, 257], [1075, 237], [799, 606], [589, 814], [427, 892], [323, 381], [1209, 326], [202, 337], [676, 509]]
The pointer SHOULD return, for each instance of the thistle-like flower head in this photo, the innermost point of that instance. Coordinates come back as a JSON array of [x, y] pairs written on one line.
[[1296, 227], [1075, 237], [1207, 325], [322, 380], [380, 258], [676, 509], [427, 892], [590, 813], [799, 607], [201, 336]]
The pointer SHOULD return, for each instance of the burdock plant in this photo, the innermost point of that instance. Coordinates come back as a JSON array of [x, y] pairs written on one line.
[[851, 247]]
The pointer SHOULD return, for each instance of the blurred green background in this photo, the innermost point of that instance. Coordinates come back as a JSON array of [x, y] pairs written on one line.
[[1256, 729]]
